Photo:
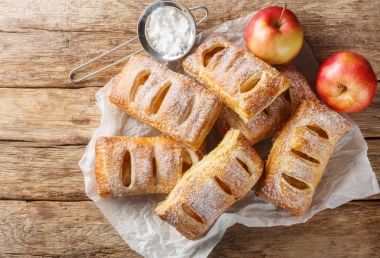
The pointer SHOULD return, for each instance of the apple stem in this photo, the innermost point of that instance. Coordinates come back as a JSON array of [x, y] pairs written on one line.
[[281, 16], [342, 89]]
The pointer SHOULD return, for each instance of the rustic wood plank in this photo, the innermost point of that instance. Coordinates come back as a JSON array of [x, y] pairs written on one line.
[[374, 155], [66, 33], [352, 230], [57, 229], [69, 116], [49, 65], [79, 229], [369, 120], [40, 172], [37, 172], [58, 116], [374, 159]]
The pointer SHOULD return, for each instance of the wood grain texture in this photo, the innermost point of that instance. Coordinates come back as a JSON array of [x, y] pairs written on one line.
[[57, 229], [57, 116], [69, 116], [79, 229], [346, 231], [67, 33], [369, 120], [37, 172]]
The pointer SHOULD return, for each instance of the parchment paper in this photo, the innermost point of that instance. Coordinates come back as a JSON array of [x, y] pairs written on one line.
[[348, 176]]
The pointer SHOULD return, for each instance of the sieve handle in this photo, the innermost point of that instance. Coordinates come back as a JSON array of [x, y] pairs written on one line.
[[204, 8], [80, 67]]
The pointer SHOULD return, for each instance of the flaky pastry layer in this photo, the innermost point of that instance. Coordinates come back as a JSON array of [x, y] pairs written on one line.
[[299, 88], [299, 156], [242, 81], [262, 126], [165, 100], [206, 190], [269, 121], [129, 166]]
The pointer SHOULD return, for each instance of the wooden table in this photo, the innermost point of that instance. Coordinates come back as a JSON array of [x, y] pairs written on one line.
[[46, 122]]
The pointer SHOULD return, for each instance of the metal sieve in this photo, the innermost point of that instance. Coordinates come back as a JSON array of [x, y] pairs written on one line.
[[141, 36]]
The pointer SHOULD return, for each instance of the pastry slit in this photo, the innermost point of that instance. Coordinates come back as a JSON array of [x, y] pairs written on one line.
[[250, 83], [162, 100], [244, 166], [211, 186], [322, 133], [287, 96], [188, 110], [159, 98], [154, 170], [294, 182], [243, 82], [266, 112], [223, 185], [209, 54], [126, 166], [304, 156], [126, 169], [187, 162], [191, 213], [291, 175], [140, 80]]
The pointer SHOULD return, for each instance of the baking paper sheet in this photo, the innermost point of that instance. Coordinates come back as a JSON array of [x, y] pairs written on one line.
[[348, 176]]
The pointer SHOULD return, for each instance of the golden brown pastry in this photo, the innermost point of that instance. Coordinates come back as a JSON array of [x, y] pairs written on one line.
[[270, 120], [262, 126], [165, 100], [299, 156], [299, 87], [223, 176], [242, 81], [130, 166]]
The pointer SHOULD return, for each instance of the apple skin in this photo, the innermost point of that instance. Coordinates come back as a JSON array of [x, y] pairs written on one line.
[[273, 42], [346, 82]]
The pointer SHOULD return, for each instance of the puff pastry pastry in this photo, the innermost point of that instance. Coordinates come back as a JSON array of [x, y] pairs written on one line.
[[242, 81], [165, 100], [269, 121], [299, 87], [299, 156], [223, 176], [262, 126], [130, 166]]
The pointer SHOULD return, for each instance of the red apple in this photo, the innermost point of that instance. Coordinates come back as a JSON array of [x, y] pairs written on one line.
[[274, 34], [346, 82]]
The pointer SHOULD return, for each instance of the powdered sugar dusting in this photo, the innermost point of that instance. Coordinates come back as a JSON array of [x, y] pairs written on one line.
[[199, 190], [268, 122], [205, 108], [262, 126], [229, 69], [296, 135], [299, 87], [167, 154]]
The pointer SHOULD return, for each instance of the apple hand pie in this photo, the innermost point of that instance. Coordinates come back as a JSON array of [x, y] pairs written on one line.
[[242, 81], [299, 156], [165, 100], [129, 166], [269, 121], [211, 186], [262, 126], [299, 87]]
